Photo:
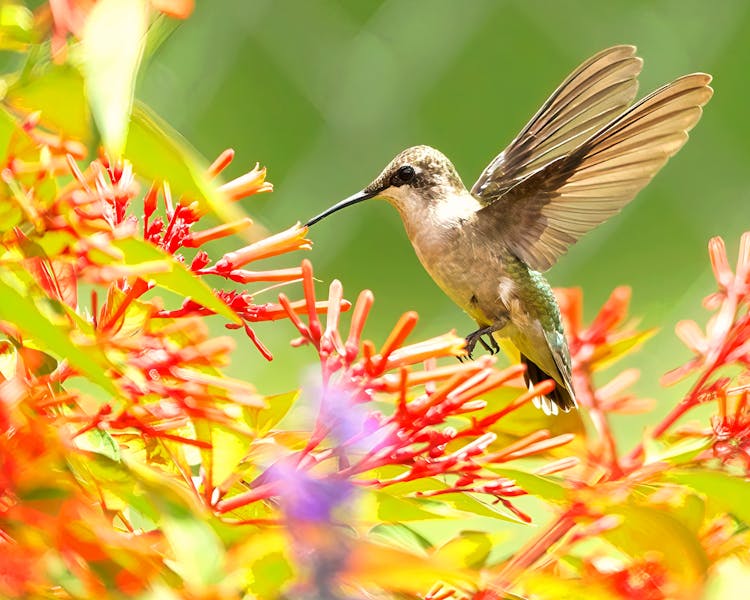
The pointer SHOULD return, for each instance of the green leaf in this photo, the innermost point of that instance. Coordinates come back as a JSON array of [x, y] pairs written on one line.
[[608, 354], [16, 26], [8, 126], [197, 549], [470, 549], [113, 481], [448, 505], [53, 337], [400, 536], [538, 584], [57, 92], [262, 420], [112, 46], [691, 512], [267, 563], [723, 492], [674, 453], [229, 447], [159, 153], [546, 488], [383, 506], [370, 564], [270, 573], [100, 442], [161, 28], [10, 216], [528, 420], [134, 318], [645, 530], [199, 555], [16, 143], [174, 276], [44, 493]]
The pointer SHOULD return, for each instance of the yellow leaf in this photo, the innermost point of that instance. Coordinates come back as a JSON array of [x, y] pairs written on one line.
[[394, 570], [608, 354], [229, 447]]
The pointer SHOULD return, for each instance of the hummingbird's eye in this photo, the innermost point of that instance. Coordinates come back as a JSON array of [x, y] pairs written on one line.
[[404, 175]]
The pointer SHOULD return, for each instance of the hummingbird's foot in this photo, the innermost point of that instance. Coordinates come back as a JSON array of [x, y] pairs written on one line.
[[476, 336], [485, 345]]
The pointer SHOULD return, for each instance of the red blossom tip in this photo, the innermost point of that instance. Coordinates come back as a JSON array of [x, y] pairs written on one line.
[[743, 258], [692, 336], [75, 171], [150, 200], [250, 183], [563, 464], [222, 162], [331, 339], [613, 312], [243, 276], [400, 332], [293, 316], [571, 307], [177, 9], [195, 239], [361, 310], [444, 345], [286, 241], [717, 252], [31, 121], [308, 286]]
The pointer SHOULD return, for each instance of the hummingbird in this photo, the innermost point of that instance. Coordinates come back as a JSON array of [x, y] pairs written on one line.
[[580, 159]]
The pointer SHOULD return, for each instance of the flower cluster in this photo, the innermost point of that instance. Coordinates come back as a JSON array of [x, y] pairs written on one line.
[[416, 435], [634, 503], [725, 345], [87, 470]]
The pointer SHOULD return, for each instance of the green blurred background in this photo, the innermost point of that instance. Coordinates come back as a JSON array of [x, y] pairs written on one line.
[[325, 92]]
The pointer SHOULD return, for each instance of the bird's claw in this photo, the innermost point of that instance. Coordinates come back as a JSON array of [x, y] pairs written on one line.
[[476, 337]]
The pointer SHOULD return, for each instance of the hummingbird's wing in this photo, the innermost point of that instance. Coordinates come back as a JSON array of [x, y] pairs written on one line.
[[544, 214], [592, 95]]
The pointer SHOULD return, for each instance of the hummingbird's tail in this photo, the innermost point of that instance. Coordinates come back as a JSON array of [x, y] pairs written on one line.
[[561, 398]]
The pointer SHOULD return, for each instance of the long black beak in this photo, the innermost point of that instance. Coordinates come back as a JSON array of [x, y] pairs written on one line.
[[353, 199]]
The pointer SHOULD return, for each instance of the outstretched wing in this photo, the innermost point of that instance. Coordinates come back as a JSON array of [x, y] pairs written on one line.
[[591, 96], [552, 208]]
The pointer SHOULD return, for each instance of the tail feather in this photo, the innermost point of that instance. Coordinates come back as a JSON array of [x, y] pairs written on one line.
[[561, 398]]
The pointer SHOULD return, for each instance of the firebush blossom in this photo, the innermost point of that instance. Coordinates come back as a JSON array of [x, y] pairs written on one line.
[[605, 478], [68, 17], [402, 420], [416, 436], [170, 404]]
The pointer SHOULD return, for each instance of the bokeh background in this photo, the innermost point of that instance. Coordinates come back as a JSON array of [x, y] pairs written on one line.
[[325, 92]]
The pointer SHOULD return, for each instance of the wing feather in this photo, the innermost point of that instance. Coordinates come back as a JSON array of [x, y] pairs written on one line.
[[552, 208], [594, 94]]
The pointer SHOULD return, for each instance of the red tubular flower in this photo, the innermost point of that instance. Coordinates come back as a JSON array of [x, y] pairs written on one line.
[[416, 436], [250, 183], [593, 348], [178, 9], [195, 239], [731, 428], [280, 243], [725, 342], [220, 163]]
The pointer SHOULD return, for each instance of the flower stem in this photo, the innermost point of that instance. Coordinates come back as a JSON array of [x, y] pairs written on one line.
[[534, 550]]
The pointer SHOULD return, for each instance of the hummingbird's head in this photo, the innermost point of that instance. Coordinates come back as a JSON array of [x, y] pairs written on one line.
[[416, 179]]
